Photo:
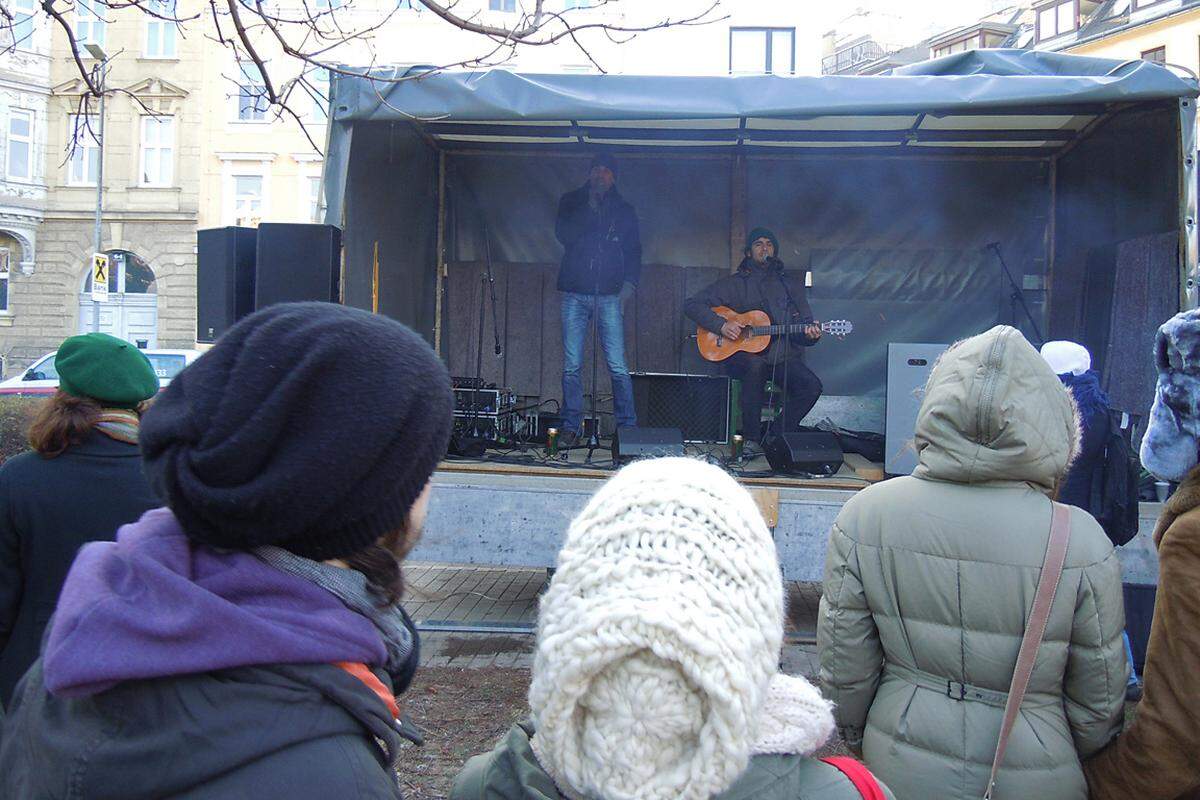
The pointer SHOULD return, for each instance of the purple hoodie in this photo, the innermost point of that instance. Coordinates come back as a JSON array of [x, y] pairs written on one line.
[[154, 604]]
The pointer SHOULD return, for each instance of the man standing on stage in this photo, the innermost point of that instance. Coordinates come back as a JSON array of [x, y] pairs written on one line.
[[761, 283], [599, 271]]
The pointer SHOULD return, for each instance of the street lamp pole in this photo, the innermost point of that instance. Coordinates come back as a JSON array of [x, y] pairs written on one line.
[[97, 52]]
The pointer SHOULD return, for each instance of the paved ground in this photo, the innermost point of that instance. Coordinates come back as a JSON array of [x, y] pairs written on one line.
[[445, 599]]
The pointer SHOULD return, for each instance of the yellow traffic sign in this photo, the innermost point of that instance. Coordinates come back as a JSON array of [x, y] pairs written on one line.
[[99, 277]]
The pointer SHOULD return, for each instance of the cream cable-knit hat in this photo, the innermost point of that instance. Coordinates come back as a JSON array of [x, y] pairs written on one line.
[[658, 642]]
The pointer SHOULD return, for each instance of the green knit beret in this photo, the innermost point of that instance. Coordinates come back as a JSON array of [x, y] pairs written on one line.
[[105, 368]]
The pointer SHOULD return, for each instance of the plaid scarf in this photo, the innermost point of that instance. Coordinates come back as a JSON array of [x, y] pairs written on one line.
[[120, 424]]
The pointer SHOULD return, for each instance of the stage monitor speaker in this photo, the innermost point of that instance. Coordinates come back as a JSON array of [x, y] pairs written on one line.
[[908, 369], [224, 279], [297, 262], [806, 452], [631, 443], [698, 405]]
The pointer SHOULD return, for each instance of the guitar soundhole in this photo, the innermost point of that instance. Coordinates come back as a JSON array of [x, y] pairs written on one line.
[[917, 362]]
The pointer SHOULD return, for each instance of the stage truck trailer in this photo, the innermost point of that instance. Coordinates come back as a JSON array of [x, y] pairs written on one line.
[[898, 194]]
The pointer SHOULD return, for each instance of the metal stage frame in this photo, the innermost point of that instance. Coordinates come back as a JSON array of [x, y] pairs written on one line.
[[516, 515]]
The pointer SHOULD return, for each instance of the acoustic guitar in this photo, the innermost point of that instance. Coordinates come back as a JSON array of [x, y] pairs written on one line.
[[757, 333]]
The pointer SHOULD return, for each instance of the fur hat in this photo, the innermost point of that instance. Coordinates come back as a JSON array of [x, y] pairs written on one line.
[[655, 675], [1169, 448]]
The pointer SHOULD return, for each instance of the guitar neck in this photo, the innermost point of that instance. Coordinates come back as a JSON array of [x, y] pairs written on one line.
[[780, 330]]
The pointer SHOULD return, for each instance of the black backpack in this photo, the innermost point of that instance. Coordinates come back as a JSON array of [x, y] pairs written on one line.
[[1114, 501]]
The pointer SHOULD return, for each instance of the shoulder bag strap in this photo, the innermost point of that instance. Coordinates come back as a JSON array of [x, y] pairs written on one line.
[[1035, 629], [859, 776]]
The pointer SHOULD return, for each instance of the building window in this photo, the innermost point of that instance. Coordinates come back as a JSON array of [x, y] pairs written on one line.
[[83, 167], [1157, 55], [762, 50], [252, 94], [20, 145], [971, 43], [89, 22], [22, 24], [160, 33], [314, 198], [319, 78], [502, 5], [1056, 20], [5, 257], [1145, 3], [247, 199], [158, 151]]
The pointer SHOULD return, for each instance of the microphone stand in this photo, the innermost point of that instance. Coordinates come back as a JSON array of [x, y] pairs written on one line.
[[593, 439], [787, 343], [1017, 296], [487, 281]]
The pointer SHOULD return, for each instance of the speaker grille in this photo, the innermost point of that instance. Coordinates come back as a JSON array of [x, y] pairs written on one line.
[[698, 405]]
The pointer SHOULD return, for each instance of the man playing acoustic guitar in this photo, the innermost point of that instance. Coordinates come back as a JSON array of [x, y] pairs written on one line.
[[761, 283]]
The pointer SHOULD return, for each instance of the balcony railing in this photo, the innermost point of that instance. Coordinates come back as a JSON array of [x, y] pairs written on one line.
[[857, 55]]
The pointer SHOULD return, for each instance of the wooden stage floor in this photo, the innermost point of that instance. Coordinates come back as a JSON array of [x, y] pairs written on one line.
[[856, 472]]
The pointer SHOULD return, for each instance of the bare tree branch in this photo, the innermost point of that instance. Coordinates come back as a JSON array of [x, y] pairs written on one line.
[[291, 45]]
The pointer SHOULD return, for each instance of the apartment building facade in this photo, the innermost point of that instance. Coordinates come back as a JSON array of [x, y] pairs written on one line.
[[151, 187], [24, 119]]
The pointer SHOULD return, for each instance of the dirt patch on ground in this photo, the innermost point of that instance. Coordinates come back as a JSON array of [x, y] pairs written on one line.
[[464, 712], [457, 646]]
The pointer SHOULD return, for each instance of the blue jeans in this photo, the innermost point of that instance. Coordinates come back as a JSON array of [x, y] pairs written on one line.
[[610, 327], [1133, 676]]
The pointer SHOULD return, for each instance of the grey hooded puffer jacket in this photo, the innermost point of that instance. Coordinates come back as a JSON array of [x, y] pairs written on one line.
[[929, 580]]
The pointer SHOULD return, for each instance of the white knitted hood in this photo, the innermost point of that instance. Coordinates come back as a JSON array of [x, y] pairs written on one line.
[[655, 675]]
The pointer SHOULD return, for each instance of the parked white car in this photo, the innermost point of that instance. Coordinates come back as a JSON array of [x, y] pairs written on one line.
[[42, 377]]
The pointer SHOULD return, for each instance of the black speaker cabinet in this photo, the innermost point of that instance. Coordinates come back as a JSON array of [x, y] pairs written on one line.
[[297, 262], [804, 452], [631, 443], [224, 279], [698, 405]]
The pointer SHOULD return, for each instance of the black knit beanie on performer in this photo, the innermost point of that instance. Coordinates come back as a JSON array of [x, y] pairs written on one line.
[[309, 426]]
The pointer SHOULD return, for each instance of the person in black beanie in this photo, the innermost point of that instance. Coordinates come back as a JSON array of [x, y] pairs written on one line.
[[259, 612]]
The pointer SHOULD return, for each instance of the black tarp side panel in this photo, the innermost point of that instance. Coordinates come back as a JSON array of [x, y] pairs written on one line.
[[897, 247], [1119, 185], [393, 172], [682, 205], [900, 249]]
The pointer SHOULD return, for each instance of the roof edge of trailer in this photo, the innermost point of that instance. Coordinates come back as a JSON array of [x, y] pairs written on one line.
[[995, 81]]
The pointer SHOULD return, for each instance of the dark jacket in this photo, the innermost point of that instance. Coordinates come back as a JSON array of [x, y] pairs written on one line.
[[754, 288], [603, 247], [171, 670], [49, 508], [1093, 439], [511, 772]]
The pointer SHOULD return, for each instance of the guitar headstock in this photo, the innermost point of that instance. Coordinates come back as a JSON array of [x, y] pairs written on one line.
[[837, 327]]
